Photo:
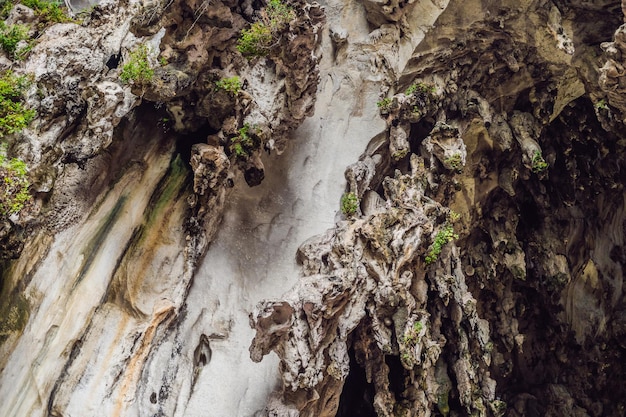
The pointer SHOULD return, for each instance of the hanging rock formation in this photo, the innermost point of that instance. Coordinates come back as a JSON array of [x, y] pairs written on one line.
[[473, 266]]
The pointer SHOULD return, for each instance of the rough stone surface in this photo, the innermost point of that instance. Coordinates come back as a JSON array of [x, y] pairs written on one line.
[[481, 273]]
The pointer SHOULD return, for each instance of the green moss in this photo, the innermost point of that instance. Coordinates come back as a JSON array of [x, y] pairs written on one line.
[[98, 238], [443, 237], [168, 189], [349, 204], [454, 161], [137, 70], [263, 35], [399, 154], [442, 404]]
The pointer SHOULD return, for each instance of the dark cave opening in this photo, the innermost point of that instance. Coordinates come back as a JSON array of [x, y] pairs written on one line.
[[184, 142], [396, 375], [419, 132], [357, 396]]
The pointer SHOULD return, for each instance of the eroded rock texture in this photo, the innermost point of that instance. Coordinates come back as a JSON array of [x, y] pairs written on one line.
[[480, 271], [506, 108]]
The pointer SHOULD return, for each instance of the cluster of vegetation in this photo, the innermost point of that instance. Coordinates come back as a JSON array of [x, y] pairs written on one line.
[[601, 105], [14, 40], [349, 203], [443, 237], [138, 69], [411, 338], [454, 161], [538, 164], [48, 11], [420, 88], [14, 116], [399, 154], [262, 35], [231, 85], [14, 187], [384, 105], [242, 144]]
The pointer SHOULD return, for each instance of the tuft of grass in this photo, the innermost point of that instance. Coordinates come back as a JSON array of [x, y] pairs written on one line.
[[138, 69]]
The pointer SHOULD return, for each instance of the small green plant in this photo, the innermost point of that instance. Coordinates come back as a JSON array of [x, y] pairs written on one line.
[[138, 69], [420, 88], [349, 203], [538, 163], [48, 11], [242, 144], [263, 35], [412, 336], [231, 85], [11, 40], [443, 237], [399, 154], [14, 116], [454, 161], [384, 105], [162, 61], [14, 194], [601, 105]]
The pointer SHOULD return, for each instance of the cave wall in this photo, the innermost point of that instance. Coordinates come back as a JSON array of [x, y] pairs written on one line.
[[479, 274]]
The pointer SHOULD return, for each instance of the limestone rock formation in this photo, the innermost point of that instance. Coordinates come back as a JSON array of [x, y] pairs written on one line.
[[417, 206]]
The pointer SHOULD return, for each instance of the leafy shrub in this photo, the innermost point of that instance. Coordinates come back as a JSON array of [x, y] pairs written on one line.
[[137, 70], [13, 114], [231, 85], [10, 38], [262, 35], [14, 194], [349, 203], [444, 236]]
